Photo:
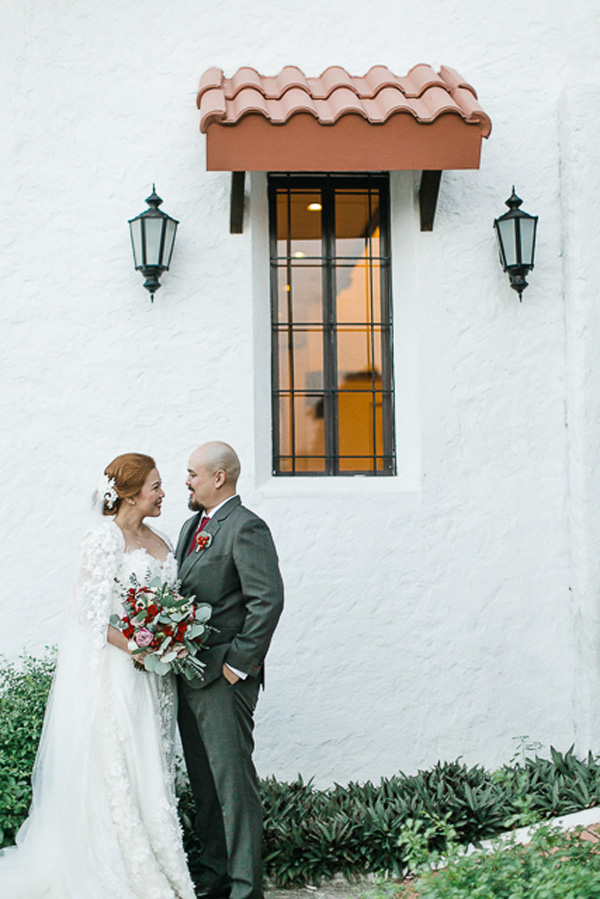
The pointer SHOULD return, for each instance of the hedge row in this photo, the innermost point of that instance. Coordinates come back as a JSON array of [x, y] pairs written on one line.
[[311, 835]]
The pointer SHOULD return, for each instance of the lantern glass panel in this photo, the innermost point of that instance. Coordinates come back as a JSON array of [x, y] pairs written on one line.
[[153, 228], [507, 233], [170, 229], [135, 228], [527, 240]]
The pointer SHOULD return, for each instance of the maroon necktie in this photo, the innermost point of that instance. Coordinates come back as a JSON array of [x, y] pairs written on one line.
[[203, 522]]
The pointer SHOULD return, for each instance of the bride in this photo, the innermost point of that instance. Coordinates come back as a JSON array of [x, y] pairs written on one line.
[[103, 821]]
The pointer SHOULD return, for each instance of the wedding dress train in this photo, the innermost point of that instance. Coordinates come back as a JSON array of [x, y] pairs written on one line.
[[103, 822]]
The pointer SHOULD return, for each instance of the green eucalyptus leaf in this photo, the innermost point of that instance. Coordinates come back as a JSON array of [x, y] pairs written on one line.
[[161, 669], [203, 612], [150, 662], [195, 630]]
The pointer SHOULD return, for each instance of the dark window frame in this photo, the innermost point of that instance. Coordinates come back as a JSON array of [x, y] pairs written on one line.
[[328, 184]]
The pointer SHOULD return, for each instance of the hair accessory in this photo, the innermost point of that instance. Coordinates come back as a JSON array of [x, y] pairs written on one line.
[[105, 492]]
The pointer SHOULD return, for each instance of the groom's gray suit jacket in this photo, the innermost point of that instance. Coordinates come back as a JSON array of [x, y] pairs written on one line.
[[238, 575]]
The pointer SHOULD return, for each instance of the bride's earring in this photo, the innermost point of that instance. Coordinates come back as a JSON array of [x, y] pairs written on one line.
[[131, 502]]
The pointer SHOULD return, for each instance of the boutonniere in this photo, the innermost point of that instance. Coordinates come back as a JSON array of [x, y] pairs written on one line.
[[203, 541]]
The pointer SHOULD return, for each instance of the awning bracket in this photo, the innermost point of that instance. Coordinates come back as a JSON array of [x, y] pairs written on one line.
[[236, 212], [428, 197]]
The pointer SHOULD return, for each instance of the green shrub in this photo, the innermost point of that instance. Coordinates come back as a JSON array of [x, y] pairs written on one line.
[[554, 865], [311, 835], [23, 695]]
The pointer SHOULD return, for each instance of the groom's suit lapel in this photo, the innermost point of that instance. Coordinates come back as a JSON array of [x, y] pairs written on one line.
[[187, 562]]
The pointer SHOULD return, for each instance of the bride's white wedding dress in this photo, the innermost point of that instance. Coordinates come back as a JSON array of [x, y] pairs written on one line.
[[103, 823]]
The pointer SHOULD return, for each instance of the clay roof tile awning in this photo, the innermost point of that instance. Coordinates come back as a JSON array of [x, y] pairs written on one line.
[[380, 121]]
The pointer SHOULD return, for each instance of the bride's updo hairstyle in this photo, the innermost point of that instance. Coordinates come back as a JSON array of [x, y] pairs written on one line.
[[129, 472]]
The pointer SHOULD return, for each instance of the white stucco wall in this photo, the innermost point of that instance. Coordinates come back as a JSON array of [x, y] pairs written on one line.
[[438, 614]]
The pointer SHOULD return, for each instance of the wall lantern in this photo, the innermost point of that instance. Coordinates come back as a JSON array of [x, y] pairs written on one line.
[[516, 238], [152, 240]]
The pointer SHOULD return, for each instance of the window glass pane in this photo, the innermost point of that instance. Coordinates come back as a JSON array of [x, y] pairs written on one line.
[[358, 465], [358, 292], [357, 223], [301, 359], [301, 427], [299, 223], [282, 201], [300, 293], [286, 426], [360, 430], [358, 354], [310, 464], [310, 431]]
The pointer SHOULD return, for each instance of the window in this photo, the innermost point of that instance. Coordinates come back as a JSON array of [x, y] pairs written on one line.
[[331, 325]]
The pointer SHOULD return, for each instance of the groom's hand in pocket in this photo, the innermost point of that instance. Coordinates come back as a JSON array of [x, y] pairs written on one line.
[[229, 675]]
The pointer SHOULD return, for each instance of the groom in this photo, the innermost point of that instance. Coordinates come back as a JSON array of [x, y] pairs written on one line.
[[227, 559]]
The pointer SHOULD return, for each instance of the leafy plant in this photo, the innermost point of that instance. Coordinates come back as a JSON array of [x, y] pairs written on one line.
[[555, 865], [310, 835], [24, 692]]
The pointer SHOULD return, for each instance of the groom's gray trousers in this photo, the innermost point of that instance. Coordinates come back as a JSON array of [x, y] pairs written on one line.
[[216, 722]]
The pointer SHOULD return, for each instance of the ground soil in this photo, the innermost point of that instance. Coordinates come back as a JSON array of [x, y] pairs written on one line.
[[339, 888], [335, 890]]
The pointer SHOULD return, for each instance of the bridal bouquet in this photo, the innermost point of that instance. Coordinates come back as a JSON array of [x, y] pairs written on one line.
[[156, 618]]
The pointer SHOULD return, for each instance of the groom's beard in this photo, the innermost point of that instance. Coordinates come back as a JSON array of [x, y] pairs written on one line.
[[194, 505]]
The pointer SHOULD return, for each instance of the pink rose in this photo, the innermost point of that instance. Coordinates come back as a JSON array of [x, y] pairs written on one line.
[[144, 637]]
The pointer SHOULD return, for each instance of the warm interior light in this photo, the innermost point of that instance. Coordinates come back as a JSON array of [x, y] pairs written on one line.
[[299, 255], [314, 207], [287, 287]]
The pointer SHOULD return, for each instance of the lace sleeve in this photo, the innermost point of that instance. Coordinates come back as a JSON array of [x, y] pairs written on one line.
[[92, 594]]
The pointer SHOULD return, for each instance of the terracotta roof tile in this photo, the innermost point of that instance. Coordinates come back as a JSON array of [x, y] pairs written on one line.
[[376, 96]]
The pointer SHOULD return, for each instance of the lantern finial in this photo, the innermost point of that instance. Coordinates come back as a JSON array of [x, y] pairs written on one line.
[[513, 201]]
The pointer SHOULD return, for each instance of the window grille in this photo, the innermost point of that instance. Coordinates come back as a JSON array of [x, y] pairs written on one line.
[[331, 314]]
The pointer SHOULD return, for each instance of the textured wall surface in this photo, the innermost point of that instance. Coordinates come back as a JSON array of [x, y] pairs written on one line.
[[438, 614]]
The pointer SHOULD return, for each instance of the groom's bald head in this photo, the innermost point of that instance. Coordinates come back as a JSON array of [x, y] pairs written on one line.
[[213, 472], [218, 456]]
